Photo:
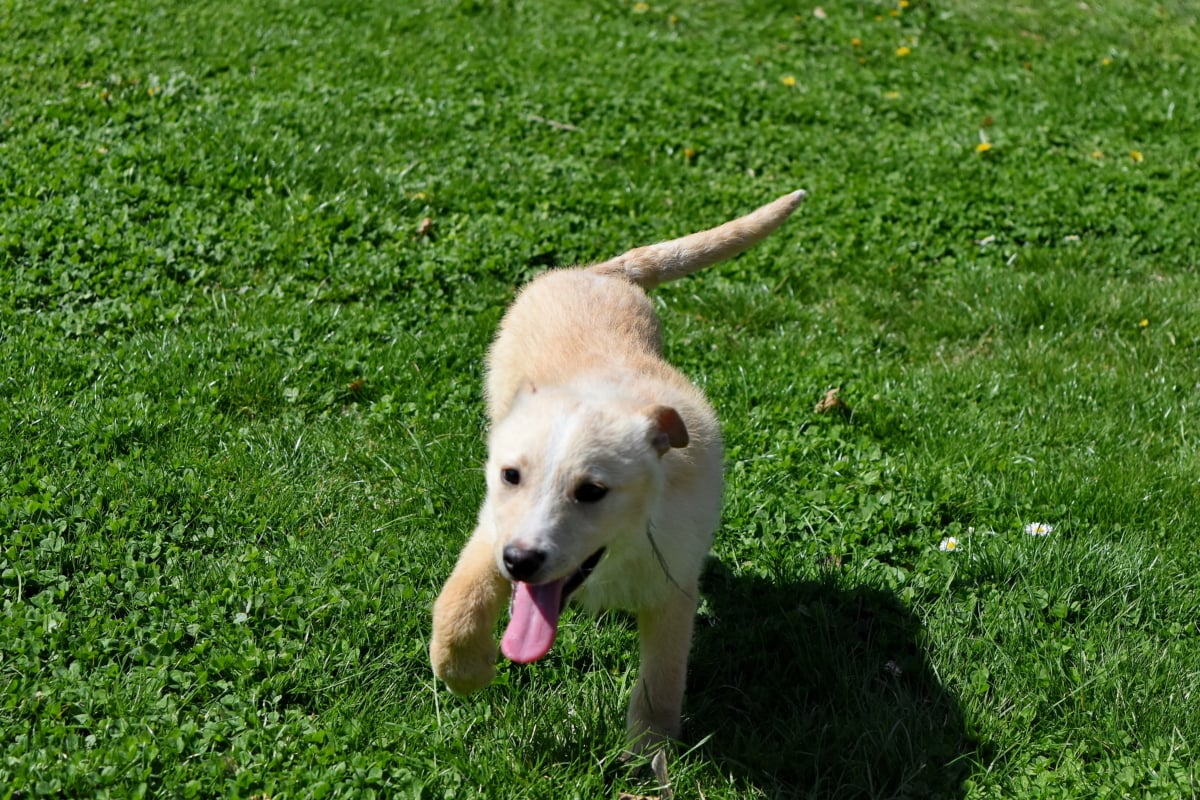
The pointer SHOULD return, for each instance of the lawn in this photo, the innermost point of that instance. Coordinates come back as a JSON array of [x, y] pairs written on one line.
[[251, 257]]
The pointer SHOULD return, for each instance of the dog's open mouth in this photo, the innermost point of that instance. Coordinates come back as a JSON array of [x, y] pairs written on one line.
[[533, 621]]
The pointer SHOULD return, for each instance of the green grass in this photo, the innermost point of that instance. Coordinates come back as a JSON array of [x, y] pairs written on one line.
[[241, 424]]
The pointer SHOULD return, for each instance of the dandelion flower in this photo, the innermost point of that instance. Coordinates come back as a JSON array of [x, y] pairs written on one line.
[[1039, 529], [948, 545], [789, 80], [892, 95], [1144, 323], [1097, 154], [641, 8], [1106, 62], [1136, 155], [856, 42], [983, 147], [903, 3], [903, 51]]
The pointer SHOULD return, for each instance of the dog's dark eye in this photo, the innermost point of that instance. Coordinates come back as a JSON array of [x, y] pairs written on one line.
[[590, 492], [511, 476]]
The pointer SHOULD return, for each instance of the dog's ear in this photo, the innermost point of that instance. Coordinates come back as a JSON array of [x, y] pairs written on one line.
[[667, 429]]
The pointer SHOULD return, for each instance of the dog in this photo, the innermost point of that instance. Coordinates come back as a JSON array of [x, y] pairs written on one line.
[[604, 475]]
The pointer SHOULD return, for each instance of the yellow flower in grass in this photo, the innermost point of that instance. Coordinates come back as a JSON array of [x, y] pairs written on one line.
[[1136, 155], [903, 51], [1097, 154], [856, 42], [641, 8], [891, 95], [983, 147], [789, 80]]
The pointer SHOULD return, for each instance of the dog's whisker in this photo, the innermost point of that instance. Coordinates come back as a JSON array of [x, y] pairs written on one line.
[[662, 561]]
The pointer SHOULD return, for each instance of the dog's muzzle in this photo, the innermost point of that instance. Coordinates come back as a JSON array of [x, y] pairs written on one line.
[[580, 575], [533, 616]]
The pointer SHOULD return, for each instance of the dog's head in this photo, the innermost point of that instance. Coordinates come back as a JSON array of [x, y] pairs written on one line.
[[567, 476]]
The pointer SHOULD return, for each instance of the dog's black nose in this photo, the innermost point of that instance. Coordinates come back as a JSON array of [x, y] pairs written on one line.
[[521, 563]]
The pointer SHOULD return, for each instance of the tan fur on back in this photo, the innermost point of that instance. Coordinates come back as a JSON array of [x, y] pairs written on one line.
[[568, 322]]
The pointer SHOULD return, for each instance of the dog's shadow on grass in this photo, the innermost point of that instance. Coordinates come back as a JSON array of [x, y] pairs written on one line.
[[821, 690]]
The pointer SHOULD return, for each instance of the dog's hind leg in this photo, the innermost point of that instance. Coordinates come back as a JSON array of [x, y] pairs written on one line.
[[463, 649], [666, 639]]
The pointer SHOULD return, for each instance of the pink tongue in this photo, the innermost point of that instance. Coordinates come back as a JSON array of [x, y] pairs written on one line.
[[533, 622]]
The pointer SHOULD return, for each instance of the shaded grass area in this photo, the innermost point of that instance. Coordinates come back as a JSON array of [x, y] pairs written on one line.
[[252, 255]]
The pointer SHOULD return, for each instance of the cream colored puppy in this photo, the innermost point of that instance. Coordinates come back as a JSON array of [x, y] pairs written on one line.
[[603, 475]]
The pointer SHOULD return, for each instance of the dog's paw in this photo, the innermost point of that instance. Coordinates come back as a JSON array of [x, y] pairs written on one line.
[[650, 764], [465, 667], [643, 743], [463, 649]]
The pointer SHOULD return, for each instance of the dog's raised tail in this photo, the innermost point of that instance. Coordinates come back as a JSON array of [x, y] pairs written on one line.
[[666, 261]]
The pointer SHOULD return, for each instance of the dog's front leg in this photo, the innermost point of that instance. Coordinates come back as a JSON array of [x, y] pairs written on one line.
[[463, 649], [666, 639]]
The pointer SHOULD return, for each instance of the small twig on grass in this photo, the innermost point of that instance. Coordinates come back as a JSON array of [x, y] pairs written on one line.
[[404, 172], [562, 126]]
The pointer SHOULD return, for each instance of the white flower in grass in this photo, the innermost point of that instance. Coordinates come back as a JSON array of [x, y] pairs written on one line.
[[1039, 529], [948, 545]]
